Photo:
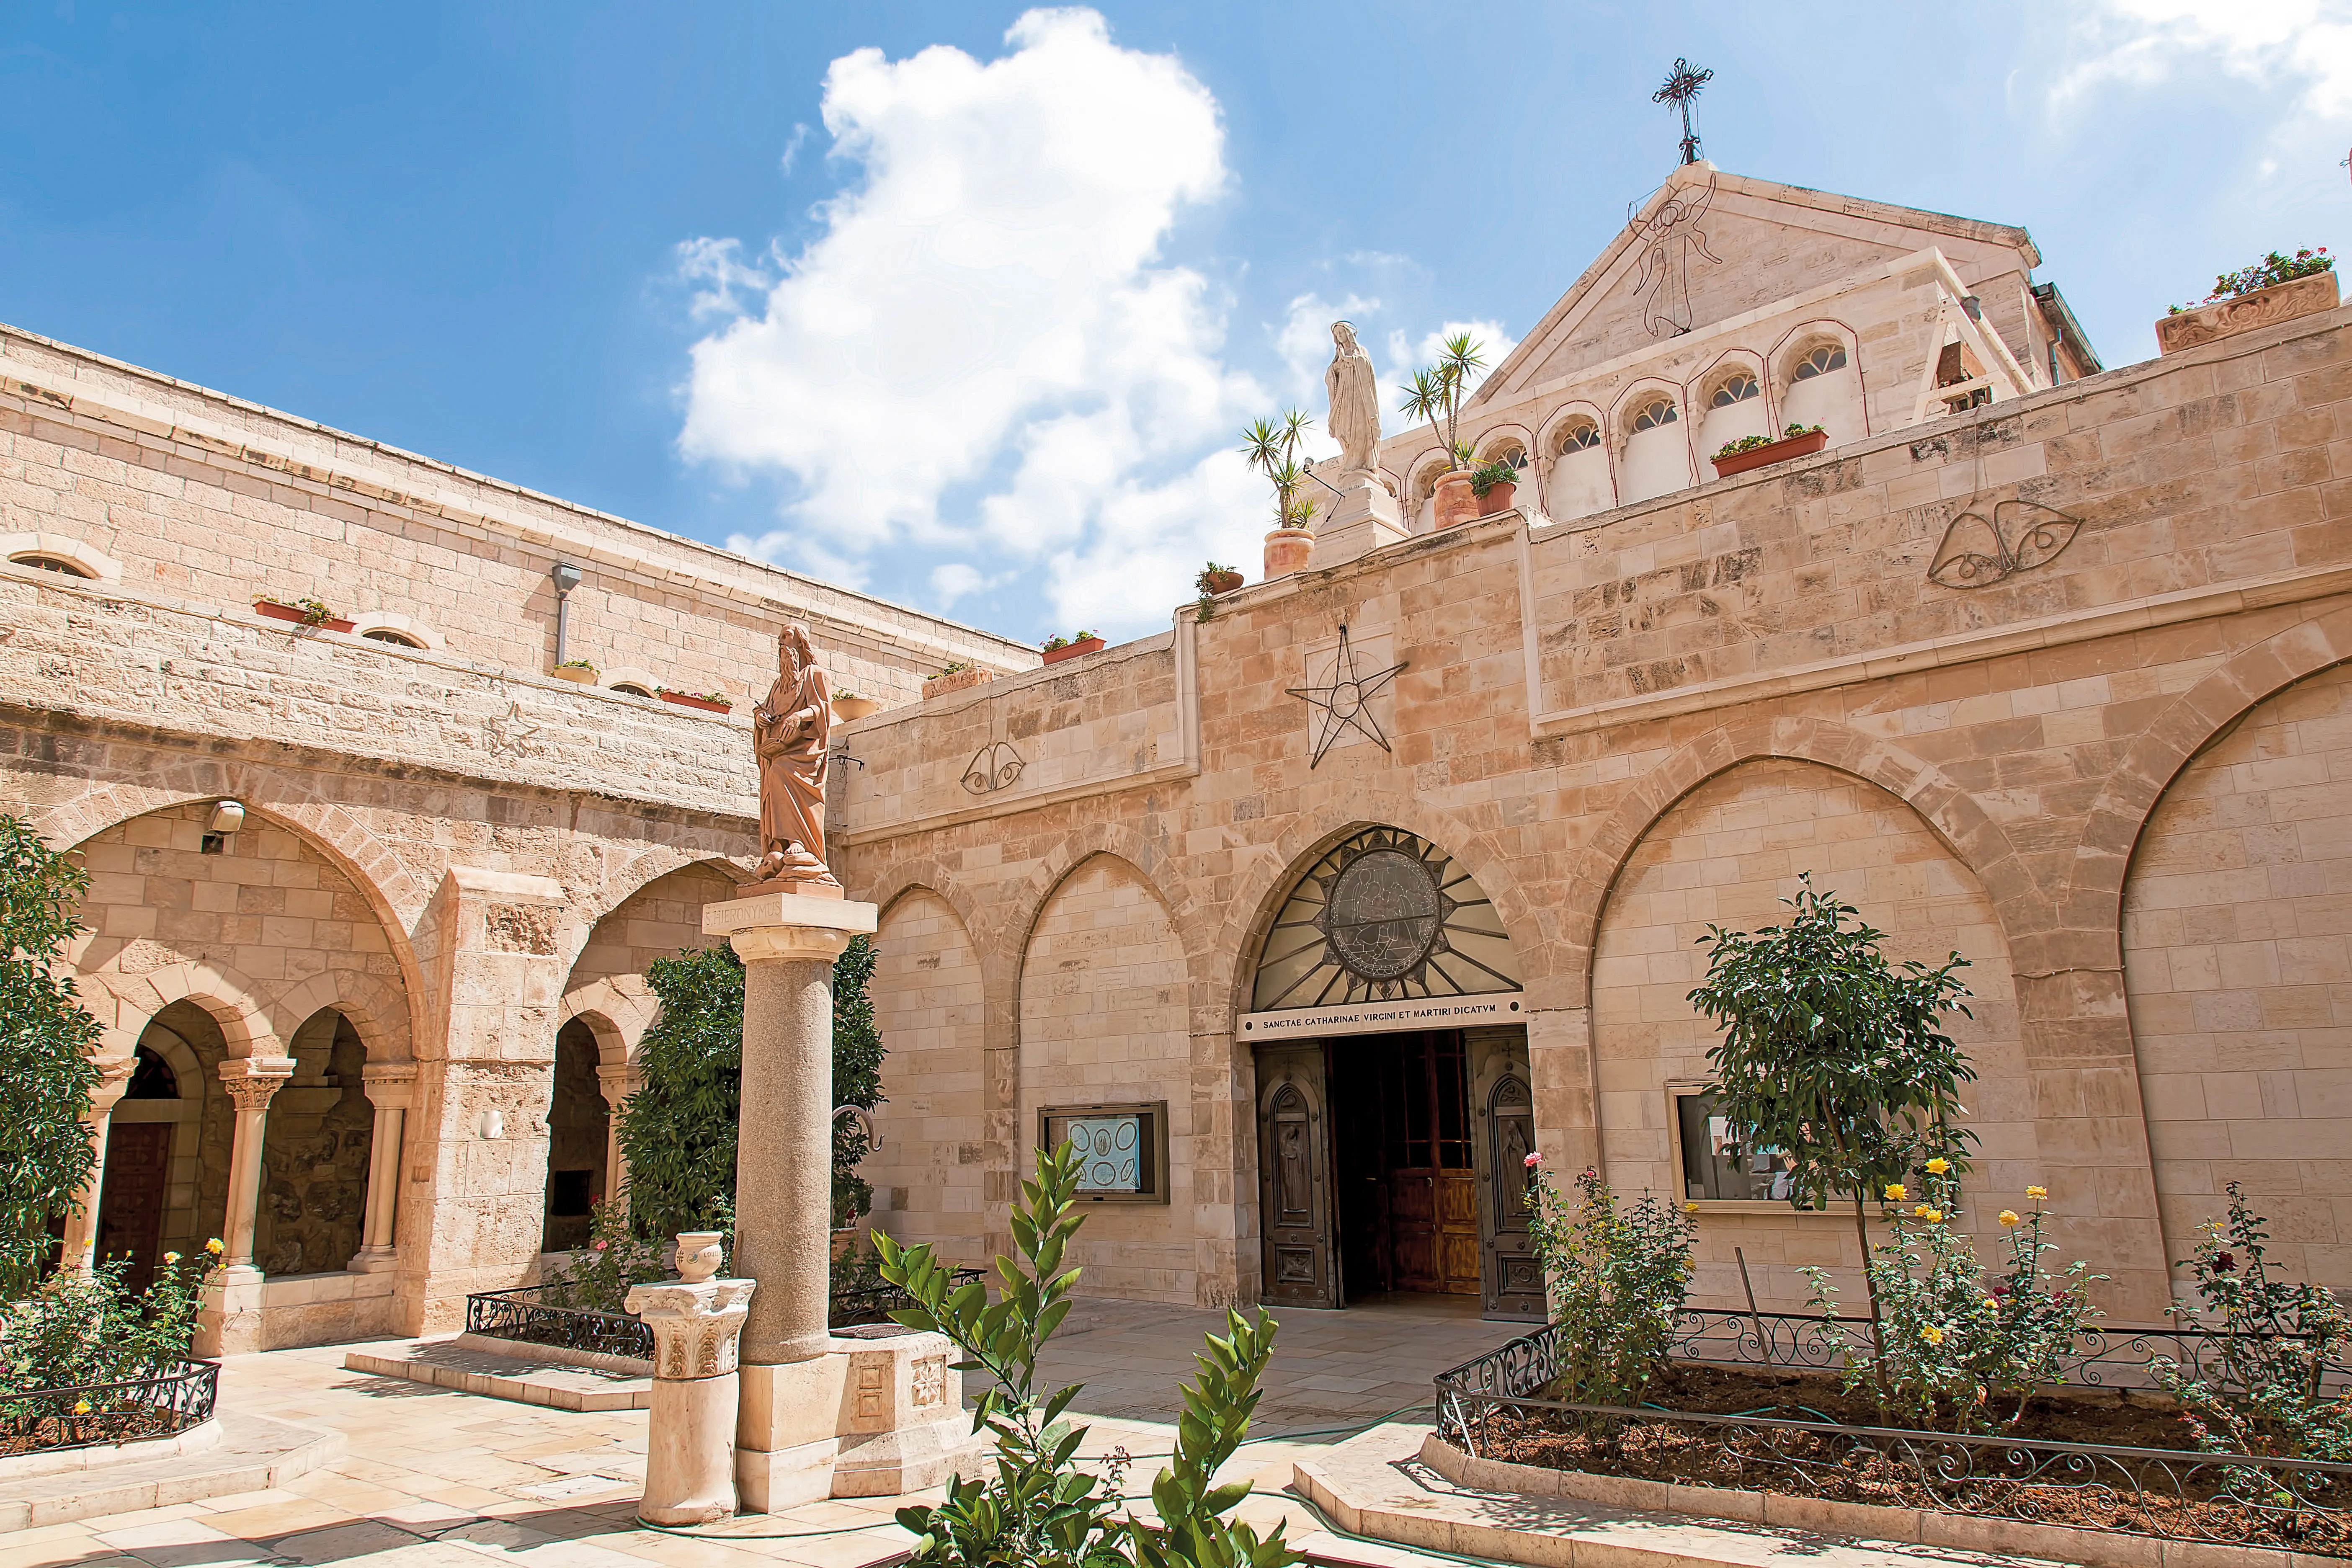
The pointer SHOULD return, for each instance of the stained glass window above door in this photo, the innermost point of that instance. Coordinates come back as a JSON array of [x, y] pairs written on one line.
[[1381, 916]]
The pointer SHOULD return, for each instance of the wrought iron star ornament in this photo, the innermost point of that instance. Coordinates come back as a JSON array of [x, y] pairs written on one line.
[[1682, 86], [1346, 702]]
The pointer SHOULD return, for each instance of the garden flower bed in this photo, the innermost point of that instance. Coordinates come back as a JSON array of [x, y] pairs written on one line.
[[538, 1315], [84, 1415]]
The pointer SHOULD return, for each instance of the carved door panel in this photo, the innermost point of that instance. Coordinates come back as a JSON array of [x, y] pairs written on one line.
[[1457, 1232], [131, 1198], [1413, 1228], [1503, 1112], [1294, 1178]]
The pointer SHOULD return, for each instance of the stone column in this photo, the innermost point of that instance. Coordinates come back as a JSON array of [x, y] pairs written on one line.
[[81, 1228], [392, 1090], [615, 1081], [231, 1319], [788, 1435], [691, 1451]]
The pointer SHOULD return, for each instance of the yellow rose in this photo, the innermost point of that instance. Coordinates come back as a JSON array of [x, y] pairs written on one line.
[[1690, 1208], [1921, 1212], [2009, 1216], [82, 1407], [1896, 1191], [1933, 1216], [2037, 1194], [1938, 1165], [1990, 1305], [214, 1247], [1932, 1334], [171, 1257]]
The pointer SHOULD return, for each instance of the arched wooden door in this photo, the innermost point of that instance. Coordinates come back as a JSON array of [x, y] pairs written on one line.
[[1294, 1178]]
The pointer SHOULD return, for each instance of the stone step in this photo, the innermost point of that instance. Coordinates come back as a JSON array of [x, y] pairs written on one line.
[[1378, 1484], [519, 1375], [250, 1453]]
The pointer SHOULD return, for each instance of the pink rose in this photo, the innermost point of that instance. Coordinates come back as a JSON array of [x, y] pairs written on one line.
[[1534, 1159], [596, 1246]]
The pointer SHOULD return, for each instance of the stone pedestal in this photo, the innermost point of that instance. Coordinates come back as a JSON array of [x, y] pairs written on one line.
[[1363, 517], [820, 1416], [690, 1446]]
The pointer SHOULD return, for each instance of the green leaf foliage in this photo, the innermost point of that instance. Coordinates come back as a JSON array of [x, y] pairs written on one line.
[[856, 1076], [47, 1043], [1040, 1507]]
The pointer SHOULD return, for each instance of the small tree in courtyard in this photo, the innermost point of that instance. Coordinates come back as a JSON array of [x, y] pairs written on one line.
[[1836, 1056], [46, 1040]]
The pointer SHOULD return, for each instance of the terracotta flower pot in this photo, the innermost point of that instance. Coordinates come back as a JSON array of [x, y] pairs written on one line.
[[573, 672], [276, 612], [1779, 451], [1496, 498], [1072, 650], [685, 699], [2262, 307], [851, 708], [940, 685], [1456, 501], [1224, 581], [1287, 549]]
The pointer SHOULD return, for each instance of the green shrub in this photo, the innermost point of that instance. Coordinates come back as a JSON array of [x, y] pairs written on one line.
[[75, 1328], [1957, 1346], [1487, 476], [46, 1040], [1616, 1282], [2273, 268]]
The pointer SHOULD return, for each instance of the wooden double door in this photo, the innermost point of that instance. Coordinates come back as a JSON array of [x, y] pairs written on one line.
[[1397, 1162]]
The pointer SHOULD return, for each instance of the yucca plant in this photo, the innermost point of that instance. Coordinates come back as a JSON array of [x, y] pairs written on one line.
[[1271, 445], [1435, 392]]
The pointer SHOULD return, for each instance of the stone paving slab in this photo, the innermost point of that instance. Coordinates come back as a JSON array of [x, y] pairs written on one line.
[[1377, 1485], [252, 1452], [519, 1375]]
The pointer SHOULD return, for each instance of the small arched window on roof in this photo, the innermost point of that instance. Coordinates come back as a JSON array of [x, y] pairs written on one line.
[[1821, 362], [1580, 436], [1578, 484], [385, 634], [1656, 411], [59, 564], [629, 689], [1739, 389]]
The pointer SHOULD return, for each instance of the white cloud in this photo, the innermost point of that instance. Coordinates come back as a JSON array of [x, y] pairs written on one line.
[[984, 352], [792, 147], [2304, 44], [957, 579]]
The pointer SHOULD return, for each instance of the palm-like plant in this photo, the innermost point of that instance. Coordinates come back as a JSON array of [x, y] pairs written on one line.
[[1435, 394], [1271, 447]]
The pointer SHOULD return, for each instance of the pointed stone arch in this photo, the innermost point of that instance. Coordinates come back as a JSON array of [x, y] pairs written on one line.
[[376, 1008]]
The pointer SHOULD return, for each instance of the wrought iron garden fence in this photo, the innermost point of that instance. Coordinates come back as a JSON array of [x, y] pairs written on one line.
[[87, 1415], [1497, 1404], [527, 1314]]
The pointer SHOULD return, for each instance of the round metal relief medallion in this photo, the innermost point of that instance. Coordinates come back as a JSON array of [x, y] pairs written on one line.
[[1385, 914]]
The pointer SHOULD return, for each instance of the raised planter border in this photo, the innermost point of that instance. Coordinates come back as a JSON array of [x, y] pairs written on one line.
[[2310, 295], [1785, 449]]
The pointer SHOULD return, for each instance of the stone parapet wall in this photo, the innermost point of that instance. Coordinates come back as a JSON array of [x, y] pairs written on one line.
[[216, 500]]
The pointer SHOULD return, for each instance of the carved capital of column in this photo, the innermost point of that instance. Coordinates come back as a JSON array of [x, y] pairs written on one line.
[[809, 943], [116, 1078], [389, 1086], [252, 1080], [696, 1327], [788, 926]]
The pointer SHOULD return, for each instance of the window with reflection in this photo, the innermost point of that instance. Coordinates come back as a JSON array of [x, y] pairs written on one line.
[[1654, 414], [1739, 389], [1718, 1163]]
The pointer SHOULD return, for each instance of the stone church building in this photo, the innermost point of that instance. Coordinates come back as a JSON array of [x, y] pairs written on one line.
[[1308, 916]]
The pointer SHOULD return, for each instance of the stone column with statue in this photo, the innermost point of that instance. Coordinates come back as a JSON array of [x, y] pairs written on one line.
[[1364, 514], [799, 1434]]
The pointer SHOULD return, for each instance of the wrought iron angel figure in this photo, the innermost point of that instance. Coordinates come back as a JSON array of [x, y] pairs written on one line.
[[1667, 239], [790, 734]]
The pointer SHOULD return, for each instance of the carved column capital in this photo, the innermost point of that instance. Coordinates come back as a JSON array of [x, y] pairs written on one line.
[[115, 1077], [389, 1086], [696, 1327], [252, 1080]]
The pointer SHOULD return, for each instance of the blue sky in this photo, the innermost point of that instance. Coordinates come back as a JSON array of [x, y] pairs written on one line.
[[965, 305]]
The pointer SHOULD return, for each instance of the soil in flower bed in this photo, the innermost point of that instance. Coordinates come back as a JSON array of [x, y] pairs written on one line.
[[2176, 1503], [86, 1431]]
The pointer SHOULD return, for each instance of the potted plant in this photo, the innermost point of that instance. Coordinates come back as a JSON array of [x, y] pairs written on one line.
[[578, 669], [1756, 451], [956, 677], [1216, 579], [1494, 484], [1435, 394], [1271, 447], [2276, 289], [1058, 648], [708, 701], [848, 704], [313, 613]]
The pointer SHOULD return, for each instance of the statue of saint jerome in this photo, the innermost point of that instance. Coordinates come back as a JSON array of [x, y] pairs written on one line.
[[790, 732]]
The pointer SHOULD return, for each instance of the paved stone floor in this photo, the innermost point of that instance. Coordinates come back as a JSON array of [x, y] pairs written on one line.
[[437, 1478]]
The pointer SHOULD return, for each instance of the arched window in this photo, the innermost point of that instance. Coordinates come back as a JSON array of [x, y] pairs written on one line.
[[1821, 362], [1510, 452], [629, 689], [1583, 436], [1656, 411], [385, 634], [151, 1078], [51, 563], [1739, 389]]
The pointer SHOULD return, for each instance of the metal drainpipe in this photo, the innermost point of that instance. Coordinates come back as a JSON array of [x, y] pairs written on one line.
[[567, 577]]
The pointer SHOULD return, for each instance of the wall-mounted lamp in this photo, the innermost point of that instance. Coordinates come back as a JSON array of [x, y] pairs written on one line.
[[228, 815], [1973, 306], [492, 1124], [567, 577]]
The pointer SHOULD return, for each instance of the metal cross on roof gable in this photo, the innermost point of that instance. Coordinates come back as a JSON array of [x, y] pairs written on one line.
[[1683, 86]]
